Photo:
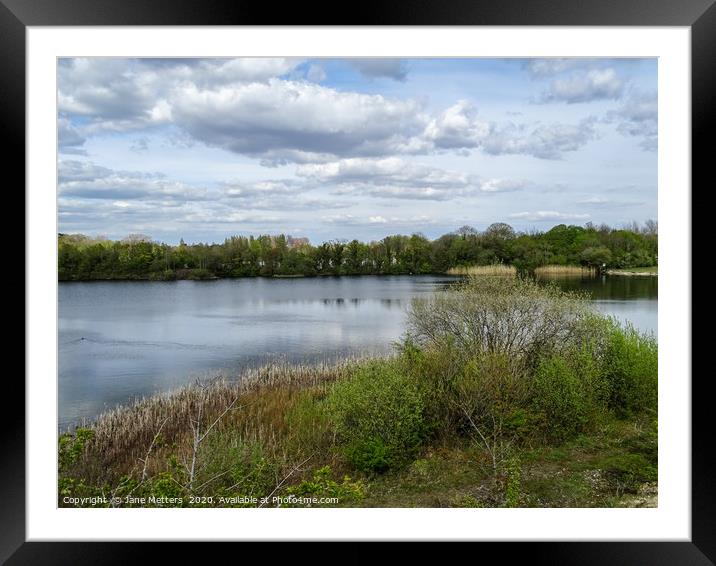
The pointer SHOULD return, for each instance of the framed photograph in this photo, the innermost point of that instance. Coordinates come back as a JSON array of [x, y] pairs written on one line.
[[389, 279]]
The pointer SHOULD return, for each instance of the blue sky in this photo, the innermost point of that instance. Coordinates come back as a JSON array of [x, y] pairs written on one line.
[[202, 149]]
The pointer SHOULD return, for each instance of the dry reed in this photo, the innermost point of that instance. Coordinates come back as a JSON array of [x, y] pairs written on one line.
[[261, 398], [565, 271], [498, 269]]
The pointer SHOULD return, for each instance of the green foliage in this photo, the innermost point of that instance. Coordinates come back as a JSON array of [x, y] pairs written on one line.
[[248, 466], [310, 424], [71, 446], [490, 390], [378, 415], [596, 256], [560, 395], [508, 360], [467, 501], [513, 483], [370, 454], [137, 257], [630, 365], [323, 486], [200, 274], [627, 471], [164, 485], [435, 371]]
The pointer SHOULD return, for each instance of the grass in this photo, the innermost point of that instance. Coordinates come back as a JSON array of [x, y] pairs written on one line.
[[564, 271], [511, 394], [498, 269], [585, 472]]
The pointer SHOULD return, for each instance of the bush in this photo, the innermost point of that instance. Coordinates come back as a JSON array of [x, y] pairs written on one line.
[[435, 371], [71, 447], [561, 397], [252, 467], [200, 274], [378, 415], [166, 275], [488, 395], [512, 316], [630, 365], [323, 486]]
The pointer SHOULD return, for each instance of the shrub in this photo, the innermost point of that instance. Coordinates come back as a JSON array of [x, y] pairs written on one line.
[[323, 486], [200, 274], [71, 447], [252, 467], [513, 316], [491, 387], [571, 390], [630, 365], [560, 396], [166, 275], [435, 370], [488, 395], [378, 414]]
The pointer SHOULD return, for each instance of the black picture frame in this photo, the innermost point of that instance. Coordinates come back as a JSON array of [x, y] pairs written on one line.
[[698, 15]]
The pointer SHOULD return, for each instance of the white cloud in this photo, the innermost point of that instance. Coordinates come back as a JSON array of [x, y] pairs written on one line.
[[394, 170], [540, 68], [123, 94], [70, 140], [503, 185], [597, 84], [90, 195], [381, 152], [457, 127], [595, 201], [638, 117], [352, 220], [239, 105], [395, 177], [604, 202], [545, 215], [316, 74], [291, 120], [545, 141]]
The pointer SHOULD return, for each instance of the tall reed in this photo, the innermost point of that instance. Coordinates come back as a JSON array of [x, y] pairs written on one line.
[[497, 269], [565, 271], [258, 401]]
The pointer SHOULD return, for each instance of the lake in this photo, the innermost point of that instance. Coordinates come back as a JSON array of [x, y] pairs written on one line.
[[122, 340]]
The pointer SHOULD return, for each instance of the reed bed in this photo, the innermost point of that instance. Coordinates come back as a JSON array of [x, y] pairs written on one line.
[[253, 406], [496, 269], [565, 271]]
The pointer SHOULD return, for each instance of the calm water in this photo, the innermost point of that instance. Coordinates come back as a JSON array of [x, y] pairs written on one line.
[[121, 340]]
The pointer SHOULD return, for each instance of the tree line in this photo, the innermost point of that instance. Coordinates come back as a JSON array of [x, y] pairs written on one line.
[[139, 257]]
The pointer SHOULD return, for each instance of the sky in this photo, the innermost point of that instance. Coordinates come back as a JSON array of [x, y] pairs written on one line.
[[202, 149]]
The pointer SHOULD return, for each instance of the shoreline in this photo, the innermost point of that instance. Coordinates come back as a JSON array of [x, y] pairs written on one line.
[[632, 273], [609, 272]]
